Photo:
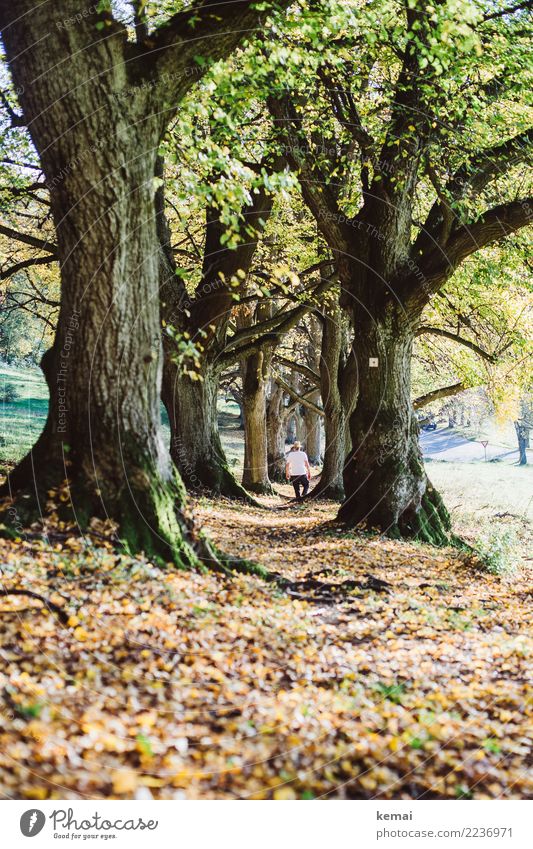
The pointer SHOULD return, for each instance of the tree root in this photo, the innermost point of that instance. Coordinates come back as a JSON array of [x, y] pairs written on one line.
[[261, 489], [430, 523], [217, 561], [231, 488], [61, 614]]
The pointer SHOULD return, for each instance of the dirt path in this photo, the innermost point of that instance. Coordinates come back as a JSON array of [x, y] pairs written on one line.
[[388, 670]]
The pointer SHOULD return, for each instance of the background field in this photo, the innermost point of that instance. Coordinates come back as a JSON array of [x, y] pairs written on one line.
[[21, 421]]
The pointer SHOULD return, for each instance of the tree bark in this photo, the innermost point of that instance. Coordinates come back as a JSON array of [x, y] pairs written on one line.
[[103, 372], [522, 435], [255, 377], [276, 433], [331, 483], [191, 404], [338, 388], [385, 483], [196, 447], [312, 419], [195, 444], [299, 425], [312, 431], [436, 394], [384, 478]]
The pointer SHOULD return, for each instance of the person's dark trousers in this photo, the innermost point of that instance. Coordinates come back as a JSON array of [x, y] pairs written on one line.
[[297, 482]]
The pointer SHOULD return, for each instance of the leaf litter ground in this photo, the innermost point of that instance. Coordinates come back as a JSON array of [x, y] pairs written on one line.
[[384, 670]]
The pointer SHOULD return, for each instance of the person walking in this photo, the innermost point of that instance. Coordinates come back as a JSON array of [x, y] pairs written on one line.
[[298, 470]]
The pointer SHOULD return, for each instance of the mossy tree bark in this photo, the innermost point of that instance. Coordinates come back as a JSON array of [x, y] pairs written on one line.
[[103, 433], [385, 483], [195, 445]]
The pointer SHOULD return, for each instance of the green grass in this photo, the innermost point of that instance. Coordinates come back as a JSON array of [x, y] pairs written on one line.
[[22, 421], [231, 435], [488, 488], [488, 501]]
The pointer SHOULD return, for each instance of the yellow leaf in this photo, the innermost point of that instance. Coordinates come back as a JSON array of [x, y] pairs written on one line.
[[124, 781], [284, 794]]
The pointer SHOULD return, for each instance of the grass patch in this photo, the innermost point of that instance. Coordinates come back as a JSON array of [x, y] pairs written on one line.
[[21, 420]]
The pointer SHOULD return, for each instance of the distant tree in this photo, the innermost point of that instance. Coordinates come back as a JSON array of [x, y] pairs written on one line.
[[9, 393]]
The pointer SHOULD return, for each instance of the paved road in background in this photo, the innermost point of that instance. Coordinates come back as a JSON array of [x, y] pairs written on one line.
[[447, 444]]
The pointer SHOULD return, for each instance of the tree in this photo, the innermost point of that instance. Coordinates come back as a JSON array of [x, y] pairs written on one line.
[[190, 394], [338, 386], [418, 94], [104, 368], [335, 383]]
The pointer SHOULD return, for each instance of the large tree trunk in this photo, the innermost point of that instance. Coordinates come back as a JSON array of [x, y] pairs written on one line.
[[299, 424], [104, 369], [385, 483], [191, 404], [312, 421], [255, 376], [331, 483], [188, 393]]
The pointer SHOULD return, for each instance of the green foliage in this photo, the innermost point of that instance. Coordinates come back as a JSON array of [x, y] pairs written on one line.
[[392, 692], [188, 352], [32, 710], [496, 551], [462, 791], [491, 745], [145, 745]]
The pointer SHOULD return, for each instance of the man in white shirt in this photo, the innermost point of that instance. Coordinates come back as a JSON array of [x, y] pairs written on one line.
[[297, 470]]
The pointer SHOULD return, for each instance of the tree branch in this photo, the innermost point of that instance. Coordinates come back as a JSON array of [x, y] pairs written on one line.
[[301, 369], [317, 194], [435, 394], [454, 337], [50, 605], [474, 176], [40, 244], [26, 263], [493, 226], [279, 324], [180, 51], [15, 120], [507, 11], [300, 399]]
